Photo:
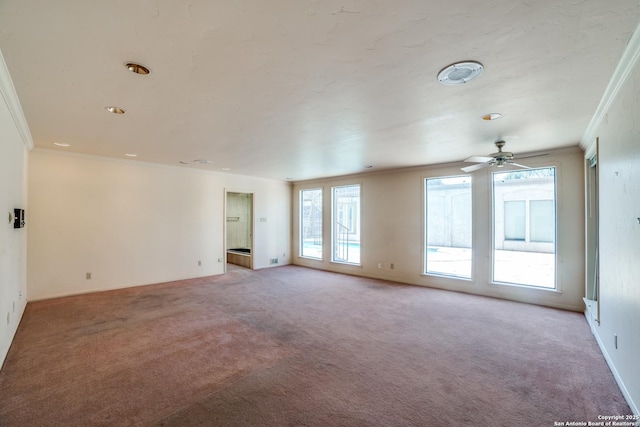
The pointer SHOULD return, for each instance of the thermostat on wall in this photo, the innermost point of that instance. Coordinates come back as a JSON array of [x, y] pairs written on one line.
[[18, 220]]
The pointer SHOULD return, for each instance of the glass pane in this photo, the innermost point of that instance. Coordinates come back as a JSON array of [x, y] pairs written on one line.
[[521, 257], [542, 221], [449, 213], [514, 220], [311, 223], [346, 224]]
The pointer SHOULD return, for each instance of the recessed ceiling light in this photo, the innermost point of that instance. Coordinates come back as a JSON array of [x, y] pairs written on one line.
[[203, 161], [491, 116], [114, 110], [137, 68], [131, 155], [62, 144], [226, 169], [460, 73]]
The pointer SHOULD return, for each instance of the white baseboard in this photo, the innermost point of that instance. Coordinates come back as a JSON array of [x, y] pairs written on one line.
[[614, 371]]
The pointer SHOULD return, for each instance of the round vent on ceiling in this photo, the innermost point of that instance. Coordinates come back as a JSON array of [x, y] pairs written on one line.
[[460, 73]]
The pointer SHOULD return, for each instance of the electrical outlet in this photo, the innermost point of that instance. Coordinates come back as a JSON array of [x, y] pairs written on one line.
[[88, 276], [392, 266], [20, 295], [379, 265], [199, 263], [8, 318], [219, 259]]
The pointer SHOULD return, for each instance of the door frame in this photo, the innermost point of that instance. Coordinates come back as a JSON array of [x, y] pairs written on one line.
[[251, 224]]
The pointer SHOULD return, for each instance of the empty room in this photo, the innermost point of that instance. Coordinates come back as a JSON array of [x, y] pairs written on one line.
[[305, 213]]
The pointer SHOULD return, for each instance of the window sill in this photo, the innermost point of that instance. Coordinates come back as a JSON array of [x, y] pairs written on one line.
[[447, 276], [529, 287], [346, 263], [310, 258]]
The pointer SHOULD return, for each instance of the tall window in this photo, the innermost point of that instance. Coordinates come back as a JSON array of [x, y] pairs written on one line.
[[311, 223], [524, 227], [346, 224], [449, 213]]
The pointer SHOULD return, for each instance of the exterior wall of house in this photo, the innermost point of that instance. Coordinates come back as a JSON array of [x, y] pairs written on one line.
[[446, 200]]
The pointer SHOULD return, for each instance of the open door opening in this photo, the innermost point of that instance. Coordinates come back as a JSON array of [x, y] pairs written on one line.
[[239, 229]]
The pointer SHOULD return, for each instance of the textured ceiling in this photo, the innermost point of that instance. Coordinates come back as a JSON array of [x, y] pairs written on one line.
[[307, 89]]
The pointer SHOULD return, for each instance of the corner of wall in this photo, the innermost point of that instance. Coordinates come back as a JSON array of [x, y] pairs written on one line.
[[625, 66], [8, 92], [15, 141]]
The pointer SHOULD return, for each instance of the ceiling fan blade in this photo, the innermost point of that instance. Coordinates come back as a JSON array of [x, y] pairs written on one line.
[[479, 159], [519, 165], [475, 167], [531, 155]]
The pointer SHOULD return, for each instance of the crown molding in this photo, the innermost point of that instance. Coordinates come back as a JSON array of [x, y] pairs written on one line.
[[10, 97], [625, 66]]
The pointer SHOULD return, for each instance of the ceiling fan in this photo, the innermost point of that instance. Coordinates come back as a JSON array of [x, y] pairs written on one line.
[[498, 159]]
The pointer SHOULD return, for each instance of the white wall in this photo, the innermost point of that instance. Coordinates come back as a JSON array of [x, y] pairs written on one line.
[[13, 194], [132, 223], [618, 129], [393, 230]]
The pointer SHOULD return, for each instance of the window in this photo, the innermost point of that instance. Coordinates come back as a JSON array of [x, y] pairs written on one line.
[[448, 226], [311, 223], [524, 227], [346, 224]]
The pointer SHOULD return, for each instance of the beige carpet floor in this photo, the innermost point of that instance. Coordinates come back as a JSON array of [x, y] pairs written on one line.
[[292, 346]]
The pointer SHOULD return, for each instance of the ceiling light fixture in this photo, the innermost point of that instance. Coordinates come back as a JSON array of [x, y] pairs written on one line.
[[137, 68], [62, 144], [114, 109], [491, 116], [226, 169], [130, 155], [460, 73], [203, 161]]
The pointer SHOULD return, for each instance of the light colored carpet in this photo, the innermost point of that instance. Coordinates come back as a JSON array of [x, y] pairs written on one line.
[[295, 346]]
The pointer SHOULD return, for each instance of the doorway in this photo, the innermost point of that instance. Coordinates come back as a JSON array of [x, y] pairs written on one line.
[[239, 228]]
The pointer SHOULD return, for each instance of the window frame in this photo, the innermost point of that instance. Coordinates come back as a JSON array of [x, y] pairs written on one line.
[[425, 222], [556, 200], [302, 223], [354, 216]]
